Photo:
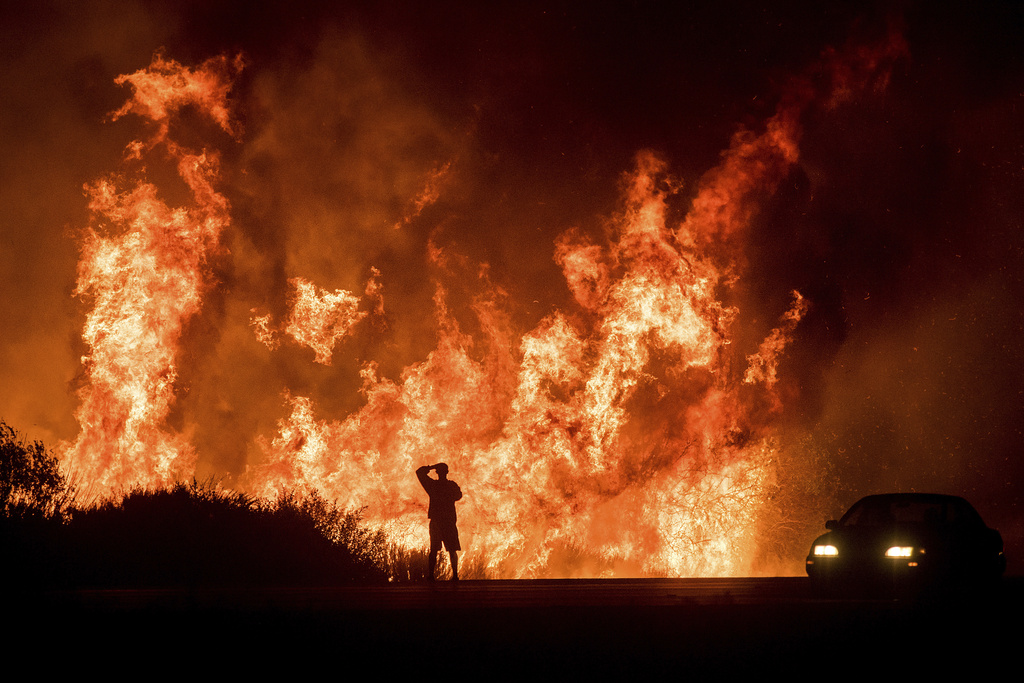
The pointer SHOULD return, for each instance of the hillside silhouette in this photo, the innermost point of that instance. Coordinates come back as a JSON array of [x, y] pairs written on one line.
[[189, 535]]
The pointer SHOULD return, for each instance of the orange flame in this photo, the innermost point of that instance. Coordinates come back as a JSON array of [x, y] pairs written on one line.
[[547, 437], [428, 195], [144, 268], [763, 365], [320, 318], [626, 438]]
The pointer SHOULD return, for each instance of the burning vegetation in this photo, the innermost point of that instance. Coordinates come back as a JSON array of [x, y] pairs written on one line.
[[265, 307], [630, 430]]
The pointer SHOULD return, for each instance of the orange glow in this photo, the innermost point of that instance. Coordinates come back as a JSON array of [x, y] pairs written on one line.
[[631, 432], [547, 436]]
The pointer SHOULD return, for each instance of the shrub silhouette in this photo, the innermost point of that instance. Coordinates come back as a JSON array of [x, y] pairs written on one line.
[[193, 535], [186, 535], [35, 500], [31, 482]]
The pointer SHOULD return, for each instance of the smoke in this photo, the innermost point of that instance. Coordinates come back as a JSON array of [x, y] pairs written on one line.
[[460, 171], [326, 191]]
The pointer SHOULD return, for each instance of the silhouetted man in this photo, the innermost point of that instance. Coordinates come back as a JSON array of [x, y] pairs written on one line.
[[443, 493]]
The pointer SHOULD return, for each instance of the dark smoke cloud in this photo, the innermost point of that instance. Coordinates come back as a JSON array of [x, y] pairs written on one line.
[[901, 223]]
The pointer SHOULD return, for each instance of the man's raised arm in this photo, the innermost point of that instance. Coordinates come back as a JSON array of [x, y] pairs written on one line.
[[421, 474]]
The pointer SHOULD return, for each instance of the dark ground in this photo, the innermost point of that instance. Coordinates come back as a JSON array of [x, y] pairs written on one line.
[[509, 629]]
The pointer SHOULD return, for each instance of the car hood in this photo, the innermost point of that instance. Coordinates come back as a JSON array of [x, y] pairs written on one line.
[[875, 539]]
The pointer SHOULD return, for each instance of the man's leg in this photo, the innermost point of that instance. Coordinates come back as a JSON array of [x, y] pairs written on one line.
[[455, 564], [435, 548]]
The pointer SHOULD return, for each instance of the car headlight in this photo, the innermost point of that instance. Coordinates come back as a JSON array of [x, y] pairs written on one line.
[[900, 551], [825, 551]]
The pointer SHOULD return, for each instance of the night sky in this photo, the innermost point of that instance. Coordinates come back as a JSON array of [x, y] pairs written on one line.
[[900, 223]]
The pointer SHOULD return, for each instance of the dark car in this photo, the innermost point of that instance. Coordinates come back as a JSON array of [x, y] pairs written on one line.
[[907, 539]]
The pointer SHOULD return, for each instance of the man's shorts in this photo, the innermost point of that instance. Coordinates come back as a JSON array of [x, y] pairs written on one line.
[[446, 533]]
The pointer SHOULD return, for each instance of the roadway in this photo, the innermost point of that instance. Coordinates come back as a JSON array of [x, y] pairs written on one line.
[[508, 629]]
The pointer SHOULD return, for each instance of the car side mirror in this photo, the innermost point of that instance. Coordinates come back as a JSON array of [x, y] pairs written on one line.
[[832, 524]]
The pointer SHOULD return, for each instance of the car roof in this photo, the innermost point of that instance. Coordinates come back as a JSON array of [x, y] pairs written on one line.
[[914, 498], [879, 501]]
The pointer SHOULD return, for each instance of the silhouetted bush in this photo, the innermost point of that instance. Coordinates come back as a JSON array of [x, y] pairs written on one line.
[[35, 500], [31, 482], [197, 536], [187, 535]]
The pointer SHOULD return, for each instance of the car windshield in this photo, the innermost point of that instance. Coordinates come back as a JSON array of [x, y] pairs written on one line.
[[884, 511]]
